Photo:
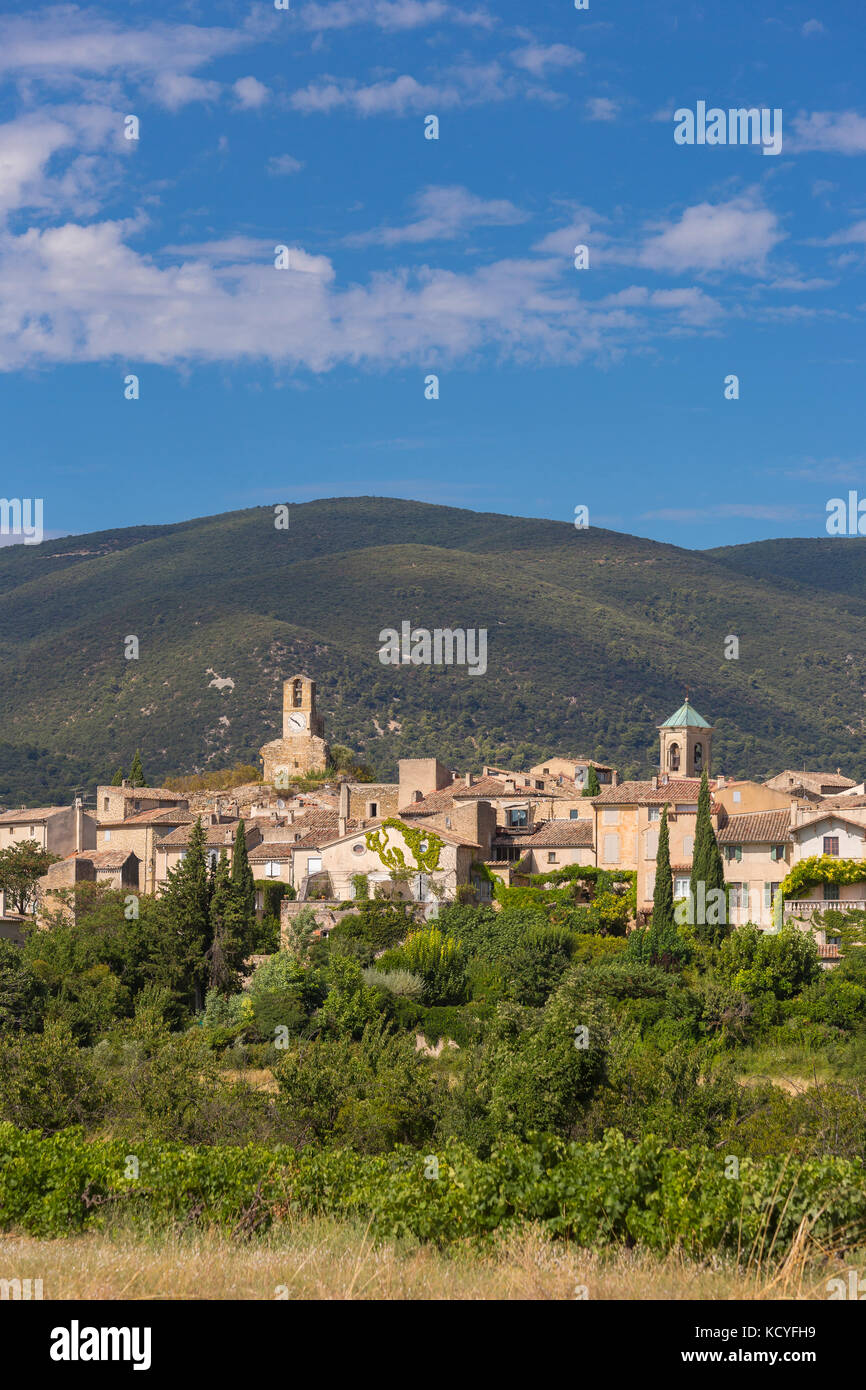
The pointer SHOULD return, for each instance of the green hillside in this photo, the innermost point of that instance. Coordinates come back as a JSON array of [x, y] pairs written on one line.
[[593, 636]]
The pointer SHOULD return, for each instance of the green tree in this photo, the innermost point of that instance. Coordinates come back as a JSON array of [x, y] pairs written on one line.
[[136, 772], [592, 787], [187, 932], [229, 929], [663, 892], [242, 874], [707, 869], [21, 866], [117, 779]]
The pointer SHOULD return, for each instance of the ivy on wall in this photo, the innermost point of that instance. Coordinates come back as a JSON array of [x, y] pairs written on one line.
[[392, 856], [821, 868]]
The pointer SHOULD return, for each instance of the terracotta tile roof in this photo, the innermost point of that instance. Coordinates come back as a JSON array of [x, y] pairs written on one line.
[[831, 814], [106, 858], [432, 804], [30, 813], [274, 849], [216, 835], [563, 834], [160, 815], [756, 828], [485, 788], [844, 803], [681, 791]]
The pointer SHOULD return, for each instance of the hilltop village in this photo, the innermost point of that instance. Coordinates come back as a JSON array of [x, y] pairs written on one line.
[[437, 834]]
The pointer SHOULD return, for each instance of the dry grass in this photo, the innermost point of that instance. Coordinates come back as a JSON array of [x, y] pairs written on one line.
[[326, 1260]]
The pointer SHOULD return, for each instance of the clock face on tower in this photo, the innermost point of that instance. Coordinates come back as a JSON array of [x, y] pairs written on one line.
[[297, 721]]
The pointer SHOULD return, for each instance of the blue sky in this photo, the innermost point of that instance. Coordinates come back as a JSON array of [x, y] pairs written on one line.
[[408, 256]]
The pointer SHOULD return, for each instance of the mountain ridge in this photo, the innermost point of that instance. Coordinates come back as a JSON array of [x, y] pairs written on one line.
[[592, 637]]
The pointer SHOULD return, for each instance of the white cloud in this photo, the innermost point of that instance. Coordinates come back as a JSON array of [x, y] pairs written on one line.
[[176, 89], [735, 235], [537, 57], [812, 26], [28, 144], [389, 14], [443, 213], [602, 109], [470, 84], [69, 39], [834, 132], [250, 92], [849, 237], [80, 293], [284, 164]]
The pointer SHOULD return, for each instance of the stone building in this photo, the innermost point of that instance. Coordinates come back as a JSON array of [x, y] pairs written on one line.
[[302, 748]]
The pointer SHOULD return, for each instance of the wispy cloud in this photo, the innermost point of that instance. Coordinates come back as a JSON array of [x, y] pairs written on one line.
[[441, 214], [832, 132]]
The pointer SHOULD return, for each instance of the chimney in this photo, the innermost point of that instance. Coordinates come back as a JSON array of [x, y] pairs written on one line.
[[344, 802], [468, 779], [79, 824], [655, 783], [341, 825]]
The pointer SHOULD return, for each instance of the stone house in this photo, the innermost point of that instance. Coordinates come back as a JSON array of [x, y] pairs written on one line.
[[117, 869], [557, 844], [576, 771], [757, 852], [59, 830], [143, 832], [219, 835]]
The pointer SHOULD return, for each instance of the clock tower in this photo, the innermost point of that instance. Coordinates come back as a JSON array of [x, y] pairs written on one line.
[[302, 748]]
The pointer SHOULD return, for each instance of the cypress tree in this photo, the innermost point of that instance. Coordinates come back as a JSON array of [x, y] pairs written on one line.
[[242, 874], [229, 922], [592, 787], [707, 866], [117, 779], [136, 772], [663, 893], [187, 934]]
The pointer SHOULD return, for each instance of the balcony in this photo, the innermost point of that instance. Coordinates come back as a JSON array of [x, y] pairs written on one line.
[[805, 907]]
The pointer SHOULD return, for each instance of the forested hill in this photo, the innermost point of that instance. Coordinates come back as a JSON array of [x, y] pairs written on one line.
[[592, 638]]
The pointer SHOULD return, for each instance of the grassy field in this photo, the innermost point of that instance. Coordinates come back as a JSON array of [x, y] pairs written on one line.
[[323, 1260]]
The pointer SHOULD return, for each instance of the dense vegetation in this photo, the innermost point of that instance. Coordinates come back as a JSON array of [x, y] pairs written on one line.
[[592, 636], [596, 1084]]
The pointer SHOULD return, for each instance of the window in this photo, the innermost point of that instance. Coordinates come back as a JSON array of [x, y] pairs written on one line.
[[545, 770], [32, 829], [738, 796], [654, 813], [447, 822], [699, 756], [297, 694], [770, 890], [688, 844], [674, 757], [105, 803], [681, 886], [574, 815], [831, 892], [777, 852], [610, 817], [611, 849], [107, 834], [733, 853], [539, 786], [517, 816], [358, 848], [373, 808], [831, 844], [739, 895], [272, 869], [551, 856], [650, 885], [651, 844]]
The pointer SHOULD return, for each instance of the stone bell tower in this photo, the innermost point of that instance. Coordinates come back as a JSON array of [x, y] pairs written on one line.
[[302, 748], [686, 743]]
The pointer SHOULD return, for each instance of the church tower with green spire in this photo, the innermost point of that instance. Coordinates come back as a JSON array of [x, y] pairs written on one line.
[[686, 743]]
